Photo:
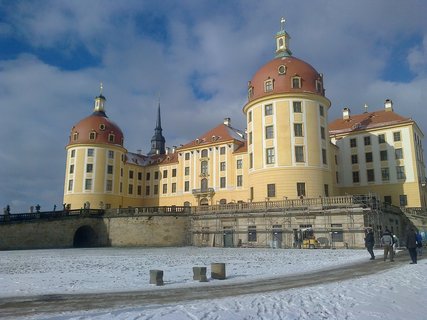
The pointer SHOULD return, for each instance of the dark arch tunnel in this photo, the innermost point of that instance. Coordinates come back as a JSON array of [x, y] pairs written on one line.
[[85, 237]]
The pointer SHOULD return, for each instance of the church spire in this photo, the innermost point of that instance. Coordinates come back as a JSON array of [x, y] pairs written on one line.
[[158, 141], [282, 41]]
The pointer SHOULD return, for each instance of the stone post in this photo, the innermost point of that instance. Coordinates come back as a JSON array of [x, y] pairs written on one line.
[[199, 273], [156, 277], [218, 271]]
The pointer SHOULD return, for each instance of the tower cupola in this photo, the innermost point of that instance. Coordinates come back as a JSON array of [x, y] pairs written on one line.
[[282, 41], [99, 101]]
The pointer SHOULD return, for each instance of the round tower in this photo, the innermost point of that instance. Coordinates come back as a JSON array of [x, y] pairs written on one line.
[[95, 155], [288, 144]]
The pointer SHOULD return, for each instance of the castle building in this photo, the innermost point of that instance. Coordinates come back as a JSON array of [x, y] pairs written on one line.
[[289, 150]]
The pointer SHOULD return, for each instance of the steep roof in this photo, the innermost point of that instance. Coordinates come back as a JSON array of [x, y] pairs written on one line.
[[367, 120]]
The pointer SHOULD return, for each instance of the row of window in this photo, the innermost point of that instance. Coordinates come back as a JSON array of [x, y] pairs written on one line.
[[204, 153], [270, 156], [398, 155], [381, 139], [296, 106], [93, 135], [300, 189], [385, 174], [90, 152]]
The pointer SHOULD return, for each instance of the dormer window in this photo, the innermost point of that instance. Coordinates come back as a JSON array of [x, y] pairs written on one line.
[[111, 137], [250, 92], [92, 135], [296, 82], [319, 87], [75, 136], [268, 85]]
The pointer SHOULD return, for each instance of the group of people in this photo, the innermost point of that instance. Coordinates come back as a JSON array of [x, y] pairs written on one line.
[[389, 242]]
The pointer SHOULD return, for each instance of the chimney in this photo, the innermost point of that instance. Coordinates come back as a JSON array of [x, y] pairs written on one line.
[[346, 113], [173, 149], [388, 105], [167, 150], [227, 121]]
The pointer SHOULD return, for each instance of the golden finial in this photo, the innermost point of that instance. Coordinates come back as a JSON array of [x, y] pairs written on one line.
[[282, 24], [100, 88]]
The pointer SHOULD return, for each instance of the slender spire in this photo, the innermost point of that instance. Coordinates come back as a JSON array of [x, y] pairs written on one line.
[[158, 141], [282, 41], [100, 101]]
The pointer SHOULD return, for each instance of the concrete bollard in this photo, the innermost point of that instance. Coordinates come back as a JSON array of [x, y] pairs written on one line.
[[156, 277], [199, 273], [218, 271]]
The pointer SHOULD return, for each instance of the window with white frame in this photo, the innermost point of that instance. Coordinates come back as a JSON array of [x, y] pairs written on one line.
[[270, 156]]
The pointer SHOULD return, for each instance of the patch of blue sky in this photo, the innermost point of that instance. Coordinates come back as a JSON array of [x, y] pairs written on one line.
[[196, 85], [153, 26], [397, 67]]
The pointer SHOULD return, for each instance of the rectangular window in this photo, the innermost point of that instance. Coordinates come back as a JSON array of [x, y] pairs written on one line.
[[121, 187], [165, 174], [173, 173], [354, 159], [251, 160], [301, 189], [222, 166], [367, 140], [109, 185], [239, 180], [147, 190], [296, 82], [250, 138], [400, 172], [252, 234], [297, 106], [71, 169], [88, 184], [250, 116], [321, 110], [139, 176], [268, 110], [110, 154], [187, 156], [324, 156], [73, 153], [156, 189], [269, 132], [222, 150], [298, 130], [173, 187], [353, 143], [89, 167], [396, 136], [187, 171], [356, 178], [270, 156], [268, 86], [371, 175], [187, 186], [403, 200], [299, 153], [70, 185], [271, 190], [239, 164], [322, 133], [90, 152], [398, 153], [326, 189], [156, 175], [385, 174], [387, 199], [383, 155], [222, 182], [165, 188], [130, 189], [131, 174], [147, 176], [139, 190], [368, 156], [381, 138]]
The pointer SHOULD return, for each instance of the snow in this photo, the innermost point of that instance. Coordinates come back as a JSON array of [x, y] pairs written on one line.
[[397, 293]]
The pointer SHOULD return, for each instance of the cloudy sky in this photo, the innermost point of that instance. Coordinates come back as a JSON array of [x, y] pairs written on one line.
[[197, 56]]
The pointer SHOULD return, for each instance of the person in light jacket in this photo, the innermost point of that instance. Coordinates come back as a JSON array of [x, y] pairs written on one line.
[[411, 245], [387, 242]]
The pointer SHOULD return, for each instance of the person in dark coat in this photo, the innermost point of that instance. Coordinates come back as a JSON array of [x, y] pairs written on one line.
[[411, 245], [370, 242]]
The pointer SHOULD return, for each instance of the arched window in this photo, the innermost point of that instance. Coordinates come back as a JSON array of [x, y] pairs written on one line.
[[204, 202], [204, 153], [204, 167]]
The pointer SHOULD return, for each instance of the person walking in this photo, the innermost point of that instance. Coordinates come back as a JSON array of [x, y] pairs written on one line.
[[419, 244], [387, 242], [370, 242], [411, 245]]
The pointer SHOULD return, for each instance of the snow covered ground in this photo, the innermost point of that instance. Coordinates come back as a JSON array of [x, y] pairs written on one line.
[[398, 293]]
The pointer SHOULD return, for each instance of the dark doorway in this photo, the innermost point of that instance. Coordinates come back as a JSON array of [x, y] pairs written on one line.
[[85, 237]]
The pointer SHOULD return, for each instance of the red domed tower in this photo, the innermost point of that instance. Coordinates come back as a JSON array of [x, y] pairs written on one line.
[[288, 144], [95, 156]]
